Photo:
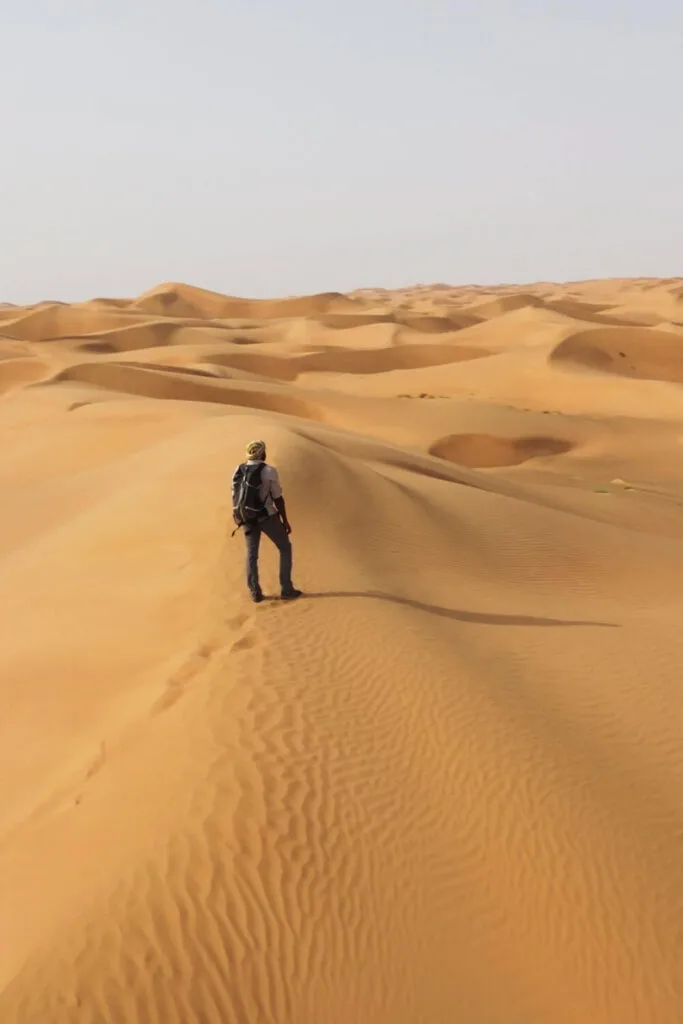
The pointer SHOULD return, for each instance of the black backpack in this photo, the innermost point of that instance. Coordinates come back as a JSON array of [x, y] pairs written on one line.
[[248, 506]]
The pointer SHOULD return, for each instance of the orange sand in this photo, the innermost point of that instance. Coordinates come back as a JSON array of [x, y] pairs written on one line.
[[445, 787]]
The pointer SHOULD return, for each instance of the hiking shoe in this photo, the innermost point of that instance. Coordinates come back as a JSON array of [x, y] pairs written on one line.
[[290, 595], [257, 598]]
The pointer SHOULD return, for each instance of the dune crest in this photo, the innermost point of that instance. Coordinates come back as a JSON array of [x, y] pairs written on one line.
[[444, 786], [181, 300]]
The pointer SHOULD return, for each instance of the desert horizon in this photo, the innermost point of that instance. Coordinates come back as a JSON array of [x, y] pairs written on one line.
[[442, 787]]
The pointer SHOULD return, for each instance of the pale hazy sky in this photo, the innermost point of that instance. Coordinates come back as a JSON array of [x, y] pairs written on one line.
[[271, 147]]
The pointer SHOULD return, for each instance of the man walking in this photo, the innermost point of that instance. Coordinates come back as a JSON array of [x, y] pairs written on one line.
[[259, 507]]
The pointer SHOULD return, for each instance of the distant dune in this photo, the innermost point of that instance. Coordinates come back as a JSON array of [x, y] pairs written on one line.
[[180, 300], [442, 788]]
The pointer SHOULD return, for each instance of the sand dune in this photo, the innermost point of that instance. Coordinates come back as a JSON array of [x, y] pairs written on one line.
[[425, 323], [355, 361], [445, 786], [61, 321], [14, 372], [178, 383], [186, 301], [490, 308], [632, 352]]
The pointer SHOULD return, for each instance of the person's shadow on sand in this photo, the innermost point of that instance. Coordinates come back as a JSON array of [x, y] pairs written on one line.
[[484, 618]]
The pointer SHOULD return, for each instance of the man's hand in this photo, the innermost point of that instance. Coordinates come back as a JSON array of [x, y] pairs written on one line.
[[287, 526]]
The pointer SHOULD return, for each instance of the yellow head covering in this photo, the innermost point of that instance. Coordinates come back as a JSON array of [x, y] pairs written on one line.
[[256, 450]]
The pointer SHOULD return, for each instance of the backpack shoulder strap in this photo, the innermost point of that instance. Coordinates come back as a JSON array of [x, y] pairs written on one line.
[[254, 472]]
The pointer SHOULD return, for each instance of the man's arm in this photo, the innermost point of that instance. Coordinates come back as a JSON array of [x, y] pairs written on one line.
[[282, 512], [278, 499]]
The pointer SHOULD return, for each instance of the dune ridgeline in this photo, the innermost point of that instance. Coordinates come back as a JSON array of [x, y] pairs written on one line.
[[444, 787]]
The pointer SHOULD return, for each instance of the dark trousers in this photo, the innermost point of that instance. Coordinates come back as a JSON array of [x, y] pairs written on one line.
[[274, 531]]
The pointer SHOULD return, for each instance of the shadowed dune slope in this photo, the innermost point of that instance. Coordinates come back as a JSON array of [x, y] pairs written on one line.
[[171, 384]]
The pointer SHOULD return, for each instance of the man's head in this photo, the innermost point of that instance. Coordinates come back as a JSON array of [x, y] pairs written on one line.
[[257, 450]]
